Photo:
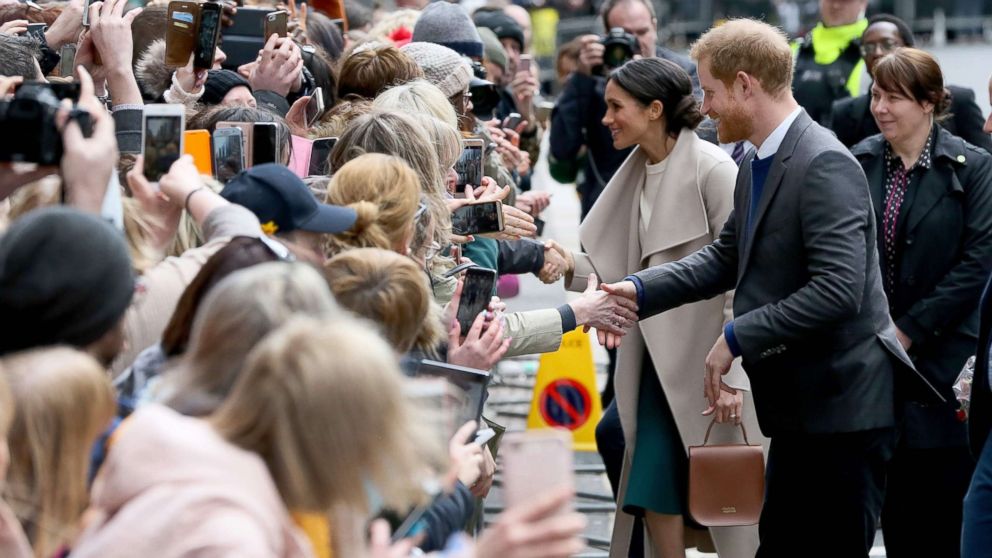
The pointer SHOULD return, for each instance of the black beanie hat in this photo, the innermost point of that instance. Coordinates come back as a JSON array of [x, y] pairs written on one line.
[[218, 83], [65, 278], [503, 25]]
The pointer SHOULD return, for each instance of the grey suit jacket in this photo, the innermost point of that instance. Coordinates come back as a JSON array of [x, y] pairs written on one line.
[[811, 316]]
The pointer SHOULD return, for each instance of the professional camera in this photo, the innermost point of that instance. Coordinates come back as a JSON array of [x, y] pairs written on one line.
[[619, 47], [485, 98], [28, 121]]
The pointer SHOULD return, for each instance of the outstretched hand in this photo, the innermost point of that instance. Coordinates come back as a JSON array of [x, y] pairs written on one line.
[[610, 314]]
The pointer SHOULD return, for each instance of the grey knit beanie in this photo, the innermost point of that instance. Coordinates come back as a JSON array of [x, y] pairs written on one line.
[[495, 52], [448, 25], [442, 66]]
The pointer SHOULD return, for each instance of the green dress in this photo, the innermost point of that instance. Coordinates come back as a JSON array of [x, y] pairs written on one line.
[[659, 471]]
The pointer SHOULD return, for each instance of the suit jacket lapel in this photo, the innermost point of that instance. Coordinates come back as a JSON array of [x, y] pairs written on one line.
[[774, 180], [678, 214]]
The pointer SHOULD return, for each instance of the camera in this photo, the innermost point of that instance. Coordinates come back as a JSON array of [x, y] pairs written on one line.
[[485, 98], [619, 47], [28, 120]]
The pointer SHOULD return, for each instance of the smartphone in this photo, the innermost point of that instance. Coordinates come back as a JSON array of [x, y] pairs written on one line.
[[162, 138], [477, 218], [180, 35], [67, 60], [37, 31], [247, 137], [512, 121], [320, 155], [525, 61], [244, 37], [480, 284], [86, 12], [315, 107], [520, 451], [470, 163], [265, 147], [197, 144], [228, 153], [275, 24], [208, 32]]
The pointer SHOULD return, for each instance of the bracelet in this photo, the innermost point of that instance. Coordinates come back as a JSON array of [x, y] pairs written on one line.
[[190, 195]]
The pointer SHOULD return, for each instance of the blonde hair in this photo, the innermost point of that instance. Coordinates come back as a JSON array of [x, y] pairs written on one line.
[[385, 192], [418, 96], [749, 46], [64, 402], [394, 133], [138, 230], [321, 402], [389, 289], [238, 312], [447, 140]]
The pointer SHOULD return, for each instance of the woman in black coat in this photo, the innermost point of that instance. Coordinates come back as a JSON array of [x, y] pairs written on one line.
[[932, 194]]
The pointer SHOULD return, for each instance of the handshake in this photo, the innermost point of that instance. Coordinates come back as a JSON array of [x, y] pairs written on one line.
[[609, 308]]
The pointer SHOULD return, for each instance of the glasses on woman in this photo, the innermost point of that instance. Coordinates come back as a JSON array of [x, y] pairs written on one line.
[[882, 47]]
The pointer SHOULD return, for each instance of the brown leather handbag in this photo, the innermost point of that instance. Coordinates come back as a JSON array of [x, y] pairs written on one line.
[[726, 482]]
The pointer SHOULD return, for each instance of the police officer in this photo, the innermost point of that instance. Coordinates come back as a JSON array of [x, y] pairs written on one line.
[[828, 59]]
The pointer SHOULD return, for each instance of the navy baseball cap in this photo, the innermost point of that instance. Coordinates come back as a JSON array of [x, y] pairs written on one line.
[[283, 203]]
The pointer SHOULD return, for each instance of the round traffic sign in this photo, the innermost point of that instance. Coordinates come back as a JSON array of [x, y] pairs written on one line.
[[565, 403]]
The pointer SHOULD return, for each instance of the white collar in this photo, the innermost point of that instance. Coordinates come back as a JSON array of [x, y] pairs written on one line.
[[771, 144]]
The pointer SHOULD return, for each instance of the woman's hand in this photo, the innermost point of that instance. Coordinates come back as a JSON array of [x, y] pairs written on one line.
[[466, 456], [729, 406], [487, 472], [482, 346], [165, 212], [537, 529], [190, 79]]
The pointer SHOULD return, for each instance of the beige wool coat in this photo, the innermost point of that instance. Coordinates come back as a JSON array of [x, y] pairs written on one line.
[[694, 201]]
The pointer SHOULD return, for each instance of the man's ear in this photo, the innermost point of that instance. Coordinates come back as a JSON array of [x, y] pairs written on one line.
[[744, 84]]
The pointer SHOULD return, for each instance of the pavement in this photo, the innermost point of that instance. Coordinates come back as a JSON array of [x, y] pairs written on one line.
[[510, 397]]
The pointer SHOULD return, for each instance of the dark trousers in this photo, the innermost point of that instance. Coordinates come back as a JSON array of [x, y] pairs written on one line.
[[823, 494], [611, 445], [924, 493], [976, 535]]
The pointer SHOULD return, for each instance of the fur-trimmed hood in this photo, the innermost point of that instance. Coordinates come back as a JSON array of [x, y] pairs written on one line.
[[154, 77]]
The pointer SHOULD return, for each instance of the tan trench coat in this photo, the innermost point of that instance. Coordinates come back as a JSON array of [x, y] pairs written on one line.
[[694, 201]]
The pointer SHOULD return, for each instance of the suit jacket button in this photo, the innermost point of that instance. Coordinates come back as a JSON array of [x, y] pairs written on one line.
[[909, 241]]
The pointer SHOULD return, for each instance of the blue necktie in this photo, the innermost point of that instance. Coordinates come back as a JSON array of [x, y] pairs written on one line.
[[738, 154]]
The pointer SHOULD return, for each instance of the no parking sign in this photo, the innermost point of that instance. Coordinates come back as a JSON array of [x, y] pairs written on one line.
[[566, 404]]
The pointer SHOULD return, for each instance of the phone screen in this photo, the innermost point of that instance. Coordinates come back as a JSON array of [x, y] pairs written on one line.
[[162, 144], [67, 63], [206, 40], [229, 157], [476, 294], [469, 166], [319, 155], [477, 218], [264, 144], [37, 31]]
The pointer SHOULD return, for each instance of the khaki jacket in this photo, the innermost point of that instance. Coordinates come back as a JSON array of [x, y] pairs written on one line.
[[691, 207]]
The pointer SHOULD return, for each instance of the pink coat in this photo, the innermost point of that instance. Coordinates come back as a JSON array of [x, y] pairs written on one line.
[[172, 487]]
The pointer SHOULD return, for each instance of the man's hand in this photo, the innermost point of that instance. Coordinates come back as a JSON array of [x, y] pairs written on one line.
[[524, 86], [88, 163], [280, 67], [591, 54], [533, 202], [904, 339], [67, 27], [718, 363], [603, 311], [14, 27]]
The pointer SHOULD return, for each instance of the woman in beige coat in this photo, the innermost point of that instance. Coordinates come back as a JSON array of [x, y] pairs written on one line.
[[670, 198]]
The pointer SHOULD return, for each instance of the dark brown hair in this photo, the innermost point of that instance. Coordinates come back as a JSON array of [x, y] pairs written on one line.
[[656, 79], [240, 252], [915, 74], [368, 72]]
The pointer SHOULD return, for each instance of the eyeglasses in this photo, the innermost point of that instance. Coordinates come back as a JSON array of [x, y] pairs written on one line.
[[883, 47]]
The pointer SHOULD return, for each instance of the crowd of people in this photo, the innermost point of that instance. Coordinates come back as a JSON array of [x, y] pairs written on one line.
[[226, 364]]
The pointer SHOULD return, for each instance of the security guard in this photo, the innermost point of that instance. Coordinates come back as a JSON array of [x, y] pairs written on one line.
[[828, 63]]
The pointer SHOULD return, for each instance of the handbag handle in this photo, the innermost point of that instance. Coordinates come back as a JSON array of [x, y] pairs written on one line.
[[710, 428]]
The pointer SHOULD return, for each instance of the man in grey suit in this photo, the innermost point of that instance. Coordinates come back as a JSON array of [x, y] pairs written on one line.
[[811, 319]]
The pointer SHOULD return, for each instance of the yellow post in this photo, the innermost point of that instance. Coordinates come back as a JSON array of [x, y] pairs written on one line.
[[565, 394]]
